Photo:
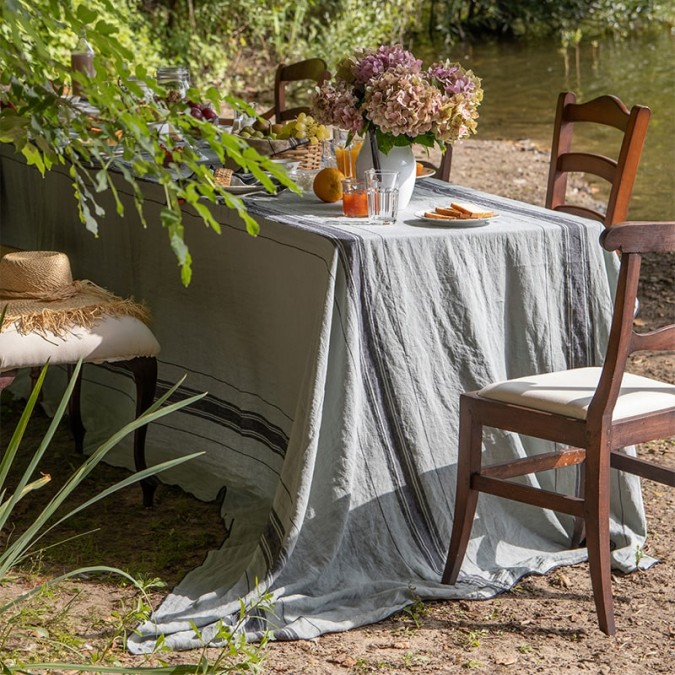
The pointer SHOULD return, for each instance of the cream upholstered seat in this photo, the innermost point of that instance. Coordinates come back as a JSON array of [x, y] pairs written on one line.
[[570, 392], [110, 339], [49, 318]]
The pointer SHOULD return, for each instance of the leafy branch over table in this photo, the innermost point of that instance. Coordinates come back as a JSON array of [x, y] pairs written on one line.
[[116, 129]]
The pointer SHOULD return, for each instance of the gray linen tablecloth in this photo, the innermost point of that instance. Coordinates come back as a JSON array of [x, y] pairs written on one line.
[[334, 353]]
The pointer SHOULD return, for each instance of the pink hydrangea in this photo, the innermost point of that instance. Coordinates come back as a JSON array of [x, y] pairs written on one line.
[[453, 79], [402, 103], [373, 63], [386, 89], [337, 105]]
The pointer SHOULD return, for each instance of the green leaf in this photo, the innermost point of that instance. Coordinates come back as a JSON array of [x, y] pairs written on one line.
[[33, 157], [85, 14], [105, 28]]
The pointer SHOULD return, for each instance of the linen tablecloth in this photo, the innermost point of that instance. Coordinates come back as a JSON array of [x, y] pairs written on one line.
[[334, 353]]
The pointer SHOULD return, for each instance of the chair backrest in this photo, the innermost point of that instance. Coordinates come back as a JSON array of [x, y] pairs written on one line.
[[606, 111], [443, 169], [631, 239], [311, 70]]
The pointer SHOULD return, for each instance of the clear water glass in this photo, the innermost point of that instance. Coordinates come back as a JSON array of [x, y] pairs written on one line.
[[382, 189]]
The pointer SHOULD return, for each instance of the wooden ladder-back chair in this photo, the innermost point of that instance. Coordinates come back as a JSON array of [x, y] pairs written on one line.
[[314, 69], [620, 173], [444, 168], [114, 333], [595, 412]]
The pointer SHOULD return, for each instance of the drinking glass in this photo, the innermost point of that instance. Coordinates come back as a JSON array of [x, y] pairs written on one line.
[[382, 189], [346, 153], [354, 198]]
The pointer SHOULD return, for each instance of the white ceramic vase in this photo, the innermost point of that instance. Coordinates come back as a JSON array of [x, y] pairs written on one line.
[[401, 159]]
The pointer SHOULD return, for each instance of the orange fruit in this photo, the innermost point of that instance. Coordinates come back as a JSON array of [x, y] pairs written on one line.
[[419, 168], [328, 184]]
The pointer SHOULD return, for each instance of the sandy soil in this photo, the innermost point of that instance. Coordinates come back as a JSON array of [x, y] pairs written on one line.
[[544, 625]]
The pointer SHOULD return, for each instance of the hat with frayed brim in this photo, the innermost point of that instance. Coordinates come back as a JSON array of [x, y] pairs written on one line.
[[37, 293]]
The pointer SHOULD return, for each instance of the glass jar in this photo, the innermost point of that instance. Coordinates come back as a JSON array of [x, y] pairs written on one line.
[[82, 61], [175, 79]]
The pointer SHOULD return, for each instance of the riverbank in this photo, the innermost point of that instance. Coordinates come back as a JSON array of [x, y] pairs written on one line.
[[543, 625]]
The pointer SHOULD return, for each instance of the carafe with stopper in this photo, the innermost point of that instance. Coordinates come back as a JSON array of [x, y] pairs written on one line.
[[82, 61]]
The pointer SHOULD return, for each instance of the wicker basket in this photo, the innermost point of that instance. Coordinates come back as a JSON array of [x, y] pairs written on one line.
[[222, 176], [308, 155]]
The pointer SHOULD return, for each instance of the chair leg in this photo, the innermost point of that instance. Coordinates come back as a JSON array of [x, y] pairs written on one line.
[[579, 531], [74, 411], [597, 538], [144, 370], [468, 463]]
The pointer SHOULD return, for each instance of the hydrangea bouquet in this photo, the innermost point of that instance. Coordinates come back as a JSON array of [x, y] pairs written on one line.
[[387, 91]]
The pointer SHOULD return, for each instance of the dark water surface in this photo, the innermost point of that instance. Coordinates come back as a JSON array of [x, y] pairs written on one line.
[[522, 82]]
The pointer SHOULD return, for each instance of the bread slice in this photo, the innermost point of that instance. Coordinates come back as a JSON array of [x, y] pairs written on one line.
[[448, 212], [472, 211], [438, 216]]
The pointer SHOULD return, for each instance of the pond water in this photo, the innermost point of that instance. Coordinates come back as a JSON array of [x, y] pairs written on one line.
[[522, 82]]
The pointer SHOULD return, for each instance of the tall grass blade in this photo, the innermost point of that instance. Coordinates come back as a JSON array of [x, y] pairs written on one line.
[[18, 549]]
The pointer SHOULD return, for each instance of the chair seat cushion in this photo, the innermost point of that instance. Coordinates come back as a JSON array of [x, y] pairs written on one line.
[[569, 392], [109, 339]]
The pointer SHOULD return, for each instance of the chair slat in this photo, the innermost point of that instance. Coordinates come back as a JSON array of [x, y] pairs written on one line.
[[603, 111], [574, 506], [544, 462], [584, 162], [644, 469]]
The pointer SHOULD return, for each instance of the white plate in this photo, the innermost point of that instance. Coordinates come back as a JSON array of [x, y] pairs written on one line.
[[242, 189], [455, 222], [426, 172]]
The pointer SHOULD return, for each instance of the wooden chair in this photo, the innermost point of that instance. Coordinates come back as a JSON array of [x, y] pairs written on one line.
[[308, 70], [120, 339], [444, 168], [593, 411], [606, 111]]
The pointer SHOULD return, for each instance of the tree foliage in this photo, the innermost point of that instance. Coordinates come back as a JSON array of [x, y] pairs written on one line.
[[466, 19], [231, 48], [236, 44], [119, 131]]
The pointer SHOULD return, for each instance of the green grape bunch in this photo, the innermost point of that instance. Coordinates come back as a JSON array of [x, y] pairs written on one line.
[[304, 127]]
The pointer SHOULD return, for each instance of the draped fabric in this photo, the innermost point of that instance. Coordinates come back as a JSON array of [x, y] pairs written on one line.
[[334, 353]]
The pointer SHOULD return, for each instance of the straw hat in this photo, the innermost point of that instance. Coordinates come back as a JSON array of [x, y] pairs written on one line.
[[38, 293]]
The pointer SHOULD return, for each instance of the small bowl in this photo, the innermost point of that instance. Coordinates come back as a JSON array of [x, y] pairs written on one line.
[[289, 164]]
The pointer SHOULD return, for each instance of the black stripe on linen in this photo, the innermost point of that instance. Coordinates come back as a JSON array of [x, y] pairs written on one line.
[[212, 409], [580, 333], [246, 423], [272, 544], [401, 458], [401, 462]]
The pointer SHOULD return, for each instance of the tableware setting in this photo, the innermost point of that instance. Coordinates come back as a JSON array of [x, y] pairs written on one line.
[[383, 190], [457, 214], [354, 198], [425, 172]]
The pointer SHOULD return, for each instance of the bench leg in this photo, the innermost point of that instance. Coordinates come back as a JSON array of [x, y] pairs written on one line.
[[74, 411], [144, 370]]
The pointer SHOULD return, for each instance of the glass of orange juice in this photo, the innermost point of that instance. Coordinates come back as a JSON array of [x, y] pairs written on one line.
[[346, 154], [354, 198]]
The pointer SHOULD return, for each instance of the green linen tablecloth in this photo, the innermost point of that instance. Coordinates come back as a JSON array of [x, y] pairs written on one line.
[[334, 353]]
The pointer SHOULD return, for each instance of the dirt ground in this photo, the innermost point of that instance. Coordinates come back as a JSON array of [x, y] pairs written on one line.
[[544, 625]]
